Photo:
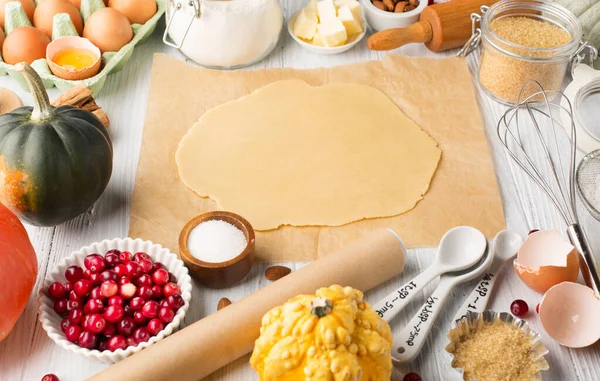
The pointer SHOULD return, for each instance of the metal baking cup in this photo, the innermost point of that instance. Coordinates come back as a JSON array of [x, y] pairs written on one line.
[[473, 321]]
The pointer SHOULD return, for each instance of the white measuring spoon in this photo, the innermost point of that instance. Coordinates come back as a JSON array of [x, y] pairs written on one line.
[[459, 249], [410, 341], [505, 246]]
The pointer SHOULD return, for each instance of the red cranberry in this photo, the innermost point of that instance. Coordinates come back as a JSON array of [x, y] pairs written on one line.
[[95, 323], [114, 313], [60, 306], [120, 270], [160, 276], [64, 324], [131, 342], [96, 294], [158, 266], [108, 275], [137, 303], [133, 269], [57, 291], [412, 377], [144, 280], [109, 288], [116, 299], [87, 274], [126, 326], [124, 280], [170, 289], [141, 335], [73, 273], [166, 315], [68, 287], [82, 287], [88, 340], [157, 292], [139, 256], [113, 251], [139, 318], [102, 345], [95, 264], [74, 296], [519, 308], [111, 259], [155, 326], [93, 306], [537, 308], [127, 290], [73, 332], [146, 266], [110, 330], [175, 301], [90, 260], [172, 278], [116, 342], [73, 305], [164, 303], [145, 292], [150, 309], [76, 316], [50, 377], [533, 231], [128, 311], [125, 257], [95, 279]]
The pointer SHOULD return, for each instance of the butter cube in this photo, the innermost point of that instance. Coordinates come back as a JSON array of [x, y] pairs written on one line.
[[351, 24], [312, 6], [354, 7], [305, 25], [332, 32], [326, 11], [318, 40]]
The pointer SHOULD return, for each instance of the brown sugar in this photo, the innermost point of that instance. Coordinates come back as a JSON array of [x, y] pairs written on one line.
[[504, 75], [496, 352]]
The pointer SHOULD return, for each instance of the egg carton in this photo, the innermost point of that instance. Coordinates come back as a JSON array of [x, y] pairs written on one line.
[[62, 27]]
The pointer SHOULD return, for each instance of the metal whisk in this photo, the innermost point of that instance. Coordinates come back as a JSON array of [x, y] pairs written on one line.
[[521, 137]]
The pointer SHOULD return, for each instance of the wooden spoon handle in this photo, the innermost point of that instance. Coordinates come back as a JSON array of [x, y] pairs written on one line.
[[394, 38]]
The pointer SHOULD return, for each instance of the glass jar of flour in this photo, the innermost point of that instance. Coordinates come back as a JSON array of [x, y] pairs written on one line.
[[224, 34]]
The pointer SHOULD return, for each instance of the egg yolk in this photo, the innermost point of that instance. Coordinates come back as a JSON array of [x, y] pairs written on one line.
[[75, 59]]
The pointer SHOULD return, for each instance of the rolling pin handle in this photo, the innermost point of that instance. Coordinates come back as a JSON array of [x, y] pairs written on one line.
[[394, 38]]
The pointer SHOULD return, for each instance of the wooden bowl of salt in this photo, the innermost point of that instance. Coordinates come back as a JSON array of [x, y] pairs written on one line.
[[218, 248]]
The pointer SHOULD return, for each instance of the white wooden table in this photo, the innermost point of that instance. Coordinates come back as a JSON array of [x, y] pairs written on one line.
[[27, 353]]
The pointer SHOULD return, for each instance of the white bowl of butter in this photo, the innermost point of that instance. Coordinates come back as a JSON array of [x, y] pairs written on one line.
[[328, 26]]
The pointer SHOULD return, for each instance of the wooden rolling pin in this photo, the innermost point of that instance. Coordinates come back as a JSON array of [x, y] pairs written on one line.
[[203, 347], [441, 27]]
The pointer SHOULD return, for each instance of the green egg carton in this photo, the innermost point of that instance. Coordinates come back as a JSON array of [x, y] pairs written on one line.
[[62, 27]]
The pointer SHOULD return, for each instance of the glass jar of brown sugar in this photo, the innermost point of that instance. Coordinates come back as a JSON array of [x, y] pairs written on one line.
[[525, 40]]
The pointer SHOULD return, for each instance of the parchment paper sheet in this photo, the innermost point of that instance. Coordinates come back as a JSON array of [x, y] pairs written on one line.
[[436, 93]]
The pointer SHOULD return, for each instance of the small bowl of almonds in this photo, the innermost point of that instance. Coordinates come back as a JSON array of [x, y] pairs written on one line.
[[388, 14]]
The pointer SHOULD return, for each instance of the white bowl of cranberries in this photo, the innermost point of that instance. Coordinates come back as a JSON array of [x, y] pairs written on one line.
[[114, 298]]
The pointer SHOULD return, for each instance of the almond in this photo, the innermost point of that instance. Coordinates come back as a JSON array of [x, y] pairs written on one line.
[[379, 4], [274, 273], [400, 6], [389, 4], [224, 302]]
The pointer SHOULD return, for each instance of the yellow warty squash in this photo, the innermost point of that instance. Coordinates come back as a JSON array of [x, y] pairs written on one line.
[[331, 336]]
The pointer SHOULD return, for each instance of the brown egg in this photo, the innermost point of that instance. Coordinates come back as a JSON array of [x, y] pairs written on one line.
[[76, 3], [28, 6], [2, 37], [136, 11], [24, 44], [108, 29], [47, 9]]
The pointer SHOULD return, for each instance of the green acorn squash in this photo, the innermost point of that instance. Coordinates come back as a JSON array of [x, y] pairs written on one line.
[[54, 162]]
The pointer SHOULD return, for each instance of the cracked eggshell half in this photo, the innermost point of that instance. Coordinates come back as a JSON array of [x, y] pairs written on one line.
[[73, 43], [569, 314], [545, 260]]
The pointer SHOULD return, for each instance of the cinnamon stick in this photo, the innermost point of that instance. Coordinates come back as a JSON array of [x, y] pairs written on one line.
[[81, 97]]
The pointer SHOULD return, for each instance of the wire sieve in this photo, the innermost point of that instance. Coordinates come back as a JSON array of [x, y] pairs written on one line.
[[588, 182], [533, 135]]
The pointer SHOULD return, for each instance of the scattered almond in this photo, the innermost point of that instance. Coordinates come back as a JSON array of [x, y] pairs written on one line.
[[400, 6], [274, 273], [224, 302]]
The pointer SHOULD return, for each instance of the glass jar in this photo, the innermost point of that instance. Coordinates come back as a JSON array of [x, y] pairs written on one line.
[[505, 67], [224, 34]]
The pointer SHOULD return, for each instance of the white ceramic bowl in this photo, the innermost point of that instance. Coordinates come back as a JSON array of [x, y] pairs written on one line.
[[381, 20], [51, 320], [324, 49]]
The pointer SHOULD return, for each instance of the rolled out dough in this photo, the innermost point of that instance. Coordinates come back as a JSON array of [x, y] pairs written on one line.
[[293, 154]]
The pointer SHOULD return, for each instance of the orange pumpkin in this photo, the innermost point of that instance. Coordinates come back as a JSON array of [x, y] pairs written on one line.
[[18, 270]]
